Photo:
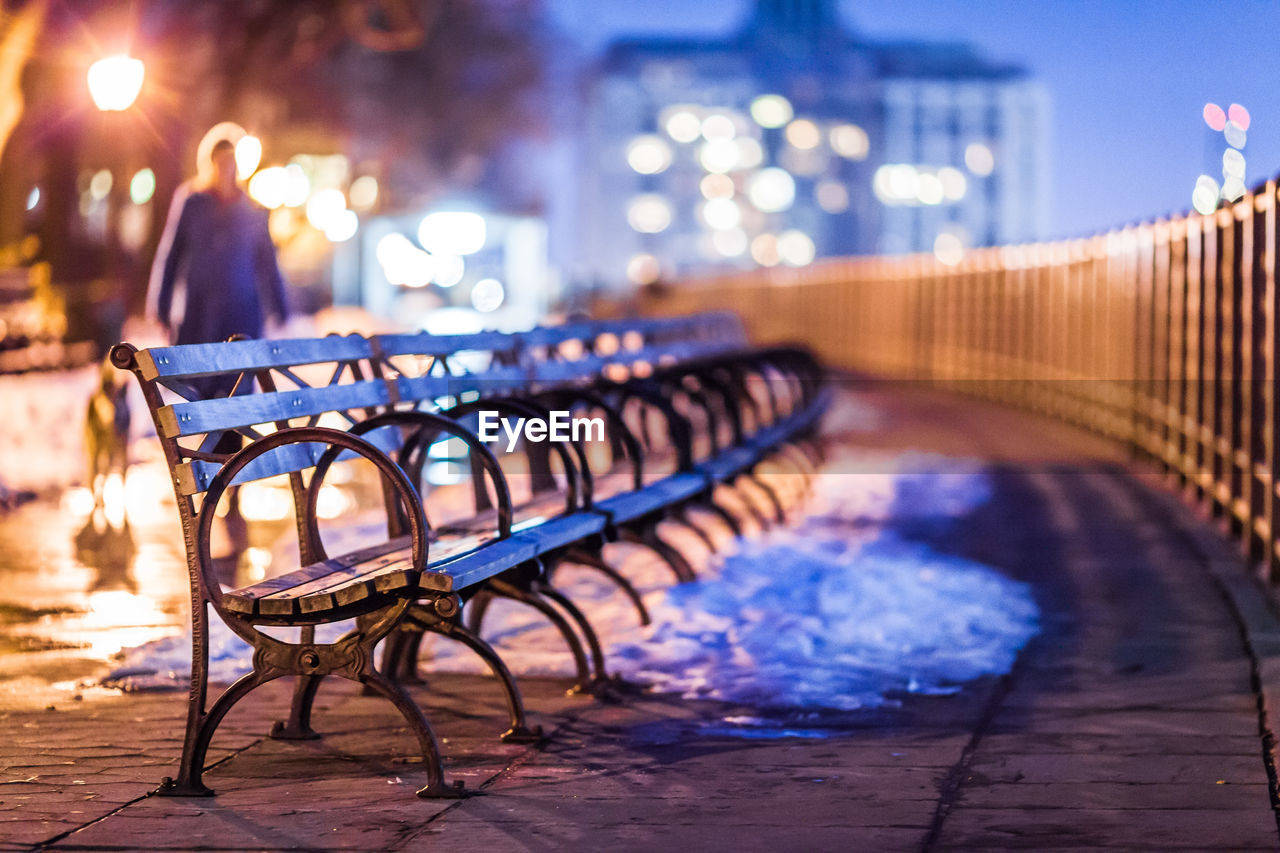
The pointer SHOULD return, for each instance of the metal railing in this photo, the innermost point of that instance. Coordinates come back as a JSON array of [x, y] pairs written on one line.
[[1162, 335]]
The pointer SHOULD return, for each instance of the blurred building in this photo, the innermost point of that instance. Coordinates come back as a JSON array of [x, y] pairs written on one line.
[[795, 139]]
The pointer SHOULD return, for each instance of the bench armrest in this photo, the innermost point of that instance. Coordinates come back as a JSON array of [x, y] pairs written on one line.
[[338, 441]]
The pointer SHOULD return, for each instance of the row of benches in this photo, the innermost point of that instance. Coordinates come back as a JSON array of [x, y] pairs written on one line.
[[686, 406]]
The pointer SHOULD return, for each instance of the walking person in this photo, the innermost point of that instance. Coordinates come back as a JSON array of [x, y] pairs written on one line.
[[217, 252]]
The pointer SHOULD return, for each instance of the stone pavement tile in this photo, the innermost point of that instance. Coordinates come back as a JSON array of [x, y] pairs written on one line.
[[1049, 768], [978, 793], [704, 837], [1024, 742], [1155, 721], [1128, 829]]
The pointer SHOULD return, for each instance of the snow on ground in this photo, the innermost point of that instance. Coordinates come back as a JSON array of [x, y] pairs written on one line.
[[836, 610], [42, 431]]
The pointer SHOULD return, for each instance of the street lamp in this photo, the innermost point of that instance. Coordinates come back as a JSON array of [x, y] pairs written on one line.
[[114, 82]]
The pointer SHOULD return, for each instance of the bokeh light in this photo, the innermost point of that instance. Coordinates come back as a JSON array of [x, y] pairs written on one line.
[[764, 250], [268, 186], [1236, 137], [716, 186], [832, 196], [487, 295], [115, 81], [363, 192], [1239, 116], [248, 156], [1204, 198], [948, 248], [142, 186], [452, 232], [795, 248], [803, 134], [718, 126], [1214, 117], [682, 124], [648, 155], [721, 213], [342, 226], [771, 110], [643, 269], [850, 141], [772, 190], [719, 155], [979, 159], [1233, 164], [731, 242], [324, 208], [649, 213]]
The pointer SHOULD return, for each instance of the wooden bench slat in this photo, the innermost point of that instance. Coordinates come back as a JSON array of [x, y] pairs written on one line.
[[191, 360], [245, 410]]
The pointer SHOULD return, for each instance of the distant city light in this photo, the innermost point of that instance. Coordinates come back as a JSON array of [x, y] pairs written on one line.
[[803, 134], [453, 320], [850, 141], [683, 125], [1215, 117], [404, 263], [649, 155], [452, 232], [297, 186], [750, 154], [649, 214], [1233, 189], [1235, 134], [1204, 198], [928, 188], [100, 185], [772, 190], [731, 242], [795, 248], [771, 110], [268, 186], [721, 213], [718, 126], [363, 192], [114, 82], [342, 226], [248, 156], [487, 295], [948, 248], [449, 270], [895, 183], [716, 186], [143, 186], [979, 159], [764, 250], [325, 207], [832, 196], [643, 269], [719, 155], [1233, 164], [954, 183], [1238, 116], [33, 198]]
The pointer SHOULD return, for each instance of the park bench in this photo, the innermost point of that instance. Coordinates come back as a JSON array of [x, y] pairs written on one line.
[[235, 412]]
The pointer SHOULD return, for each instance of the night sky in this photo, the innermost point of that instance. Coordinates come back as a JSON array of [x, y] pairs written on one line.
[[1127, 80]]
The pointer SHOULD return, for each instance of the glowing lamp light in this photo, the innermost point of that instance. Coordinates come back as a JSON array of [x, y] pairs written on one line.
[[721, 214], [795, 248], [718, 126], [363, 192], [143, 186], [248, 156], [342, 227], [948, 248], [487, 295], [449, 270], [648, 155], [772, 190], [115, 81], [719, 156], [979, 159], [1204, 198], [325, 208], [771, 111], [452, 232], [297, 186], [267, 187], [649, 214], [803, 134], [1215, 117], [643, 269], [850, 141], [682, 124]]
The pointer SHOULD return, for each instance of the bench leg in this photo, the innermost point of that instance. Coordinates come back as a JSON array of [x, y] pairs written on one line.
[[779, 513], [579, 619], [190, 772], [649, 537], [436, 788], [298, 726], [719, 511], [520, 731], [592, 558], [537, 602], [681, 517]]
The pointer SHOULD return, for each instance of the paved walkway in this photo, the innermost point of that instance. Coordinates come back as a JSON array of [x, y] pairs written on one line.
[[1136, 720]]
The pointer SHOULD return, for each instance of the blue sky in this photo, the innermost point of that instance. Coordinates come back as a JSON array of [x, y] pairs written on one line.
[[1127, 80]]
